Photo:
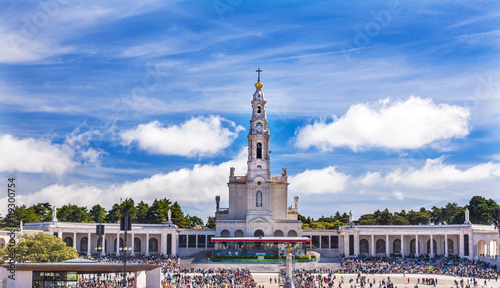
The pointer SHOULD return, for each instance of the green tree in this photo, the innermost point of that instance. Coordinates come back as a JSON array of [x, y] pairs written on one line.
[[41, 247], [43, 211], [368, 222], [484, 211], [418, 218], [157, 212], [333, 225], [178, 216], [193, 221], [458, 217], [27, 215], [210, 222], [384, 217], [128, 207], [344, 218], [367, 219], [437, 215], [97, 214], [316, 225], [142, 211], [400, 220], [450, 212], [304, 219], [73, 213], [114, 214]]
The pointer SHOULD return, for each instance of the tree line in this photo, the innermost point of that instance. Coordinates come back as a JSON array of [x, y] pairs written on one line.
[[481, 211], [141, 212]]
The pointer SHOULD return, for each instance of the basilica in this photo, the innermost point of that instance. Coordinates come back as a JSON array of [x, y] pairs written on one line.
[[258, 213]]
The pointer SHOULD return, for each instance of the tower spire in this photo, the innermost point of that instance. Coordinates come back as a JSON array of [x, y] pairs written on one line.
[[258, 136]]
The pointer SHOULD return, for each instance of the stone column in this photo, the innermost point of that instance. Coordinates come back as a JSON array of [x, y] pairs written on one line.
[[432, 247], [163, 241], [387, 244], [74, 240], [471, 247], [133, 243], [346, 244], [461, 244], [174, 243], [372, 245], [402, 246], [416, 246], [147, 244], [445, 245], [103, 245], [88, 243], [117, 243], [356, 243]]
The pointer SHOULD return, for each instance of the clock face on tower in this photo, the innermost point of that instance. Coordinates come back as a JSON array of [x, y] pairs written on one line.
[[259, 126]]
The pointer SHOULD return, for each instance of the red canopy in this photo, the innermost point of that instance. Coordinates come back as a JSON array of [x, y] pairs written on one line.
[[262, 239]]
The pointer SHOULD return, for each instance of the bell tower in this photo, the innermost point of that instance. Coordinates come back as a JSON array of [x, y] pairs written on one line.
[[257, 201], [259, 161]]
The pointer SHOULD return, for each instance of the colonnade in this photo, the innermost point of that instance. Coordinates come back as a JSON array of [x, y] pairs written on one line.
[[161, 242], [408, 244]]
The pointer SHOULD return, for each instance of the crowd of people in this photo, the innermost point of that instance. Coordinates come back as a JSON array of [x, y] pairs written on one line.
[[172, 275], [309, 280], [454, 266], [106, 281], [469, 271], [175, 276], [214, 277], [168, 265]]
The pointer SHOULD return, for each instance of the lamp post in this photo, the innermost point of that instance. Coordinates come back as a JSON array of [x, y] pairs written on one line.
[[99, 231], [125, 225], [124, 251]]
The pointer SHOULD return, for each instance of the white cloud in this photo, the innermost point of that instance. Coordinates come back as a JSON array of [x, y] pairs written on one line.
[[370, 179], [42, 156], [318, 181], [80, 142], [34, 156], [201, 136], [409, 124], [436, 174], [399, 195], [36, 32], [434, 180], [195, 188]]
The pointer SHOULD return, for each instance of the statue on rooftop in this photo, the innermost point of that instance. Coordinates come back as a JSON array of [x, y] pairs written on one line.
[[54, 216]]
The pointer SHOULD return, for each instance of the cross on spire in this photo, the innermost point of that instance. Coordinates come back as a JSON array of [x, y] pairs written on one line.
[[258, 71]]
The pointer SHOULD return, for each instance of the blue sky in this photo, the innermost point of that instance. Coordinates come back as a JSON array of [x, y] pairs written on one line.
[[372, 105]]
